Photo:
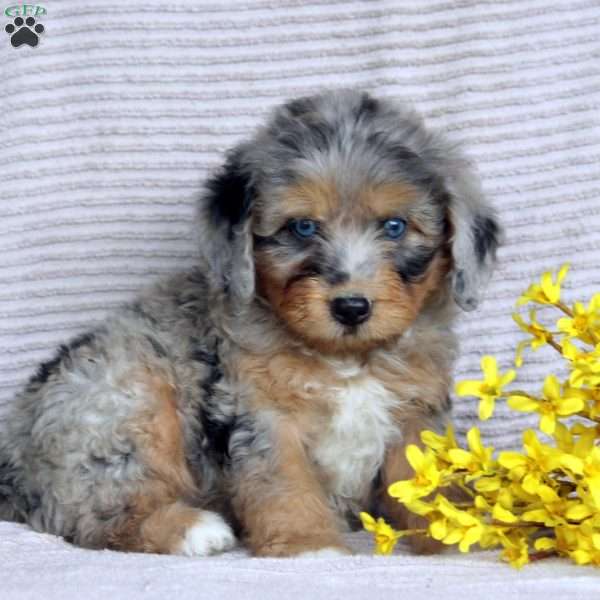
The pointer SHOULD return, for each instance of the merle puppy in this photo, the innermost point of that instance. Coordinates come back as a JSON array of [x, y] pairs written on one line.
[[268, 393]]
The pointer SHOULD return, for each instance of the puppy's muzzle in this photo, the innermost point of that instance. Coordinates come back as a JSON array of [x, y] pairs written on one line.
[[350, 310]]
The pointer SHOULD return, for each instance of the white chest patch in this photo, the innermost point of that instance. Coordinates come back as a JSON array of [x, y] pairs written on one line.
[[352, 449]]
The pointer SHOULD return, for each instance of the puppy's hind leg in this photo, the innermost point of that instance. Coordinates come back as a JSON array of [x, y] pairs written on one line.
[[175, 528], [161, 515], [105, 464]]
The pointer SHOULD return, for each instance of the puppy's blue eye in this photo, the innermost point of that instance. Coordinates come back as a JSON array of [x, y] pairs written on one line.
[[303, 228], [394, 228]]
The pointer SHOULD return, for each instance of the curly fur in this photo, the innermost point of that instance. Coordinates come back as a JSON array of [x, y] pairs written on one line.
[[231, 388]]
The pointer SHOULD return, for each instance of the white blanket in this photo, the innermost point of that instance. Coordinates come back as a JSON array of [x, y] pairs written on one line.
[[39, 567], [110, 124]]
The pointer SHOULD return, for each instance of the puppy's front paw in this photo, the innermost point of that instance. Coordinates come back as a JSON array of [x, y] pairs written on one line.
[[209, 535]]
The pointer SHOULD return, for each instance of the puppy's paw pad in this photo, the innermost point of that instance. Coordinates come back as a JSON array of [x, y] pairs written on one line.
[[324, 553], [210, 535]]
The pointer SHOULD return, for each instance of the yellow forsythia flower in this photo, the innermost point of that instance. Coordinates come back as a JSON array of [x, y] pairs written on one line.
[[529, 469], [487, 390], [427, 476], [385, 536], [586, 540], [585, 365], [583, 322], [539, 334], [554, 403], [516, 548], [554, 509], [462, 528], [592, 397], [547, 291], [441, 444], [477, 460], [591, 472]]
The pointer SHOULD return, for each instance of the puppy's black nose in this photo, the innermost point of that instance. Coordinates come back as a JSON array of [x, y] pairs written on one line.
[[350, 310]]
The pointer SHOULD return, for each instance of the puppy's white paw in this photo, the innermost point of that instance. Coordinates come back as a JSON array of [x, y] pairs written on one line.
[[324, 553], [210, 535]]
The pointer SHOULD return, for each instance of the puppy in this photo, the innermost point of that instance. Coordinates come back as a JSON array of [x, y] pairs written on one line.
[[268, 394]]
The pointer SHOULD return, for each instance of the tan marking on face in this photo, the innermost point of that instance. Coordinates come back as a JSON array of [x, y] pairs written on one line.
[[317, 199], [305, 305], [321, 200], [387, 200]]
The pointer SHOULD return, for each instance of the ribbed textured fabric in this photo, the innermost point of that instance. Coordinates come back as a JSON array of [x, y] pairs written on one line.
[[63, 572], [110, 125]]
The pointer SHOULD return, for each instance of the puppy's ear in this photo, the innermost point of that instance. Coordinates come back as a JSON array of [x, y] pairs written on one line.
[[225, 228], [475, 231]]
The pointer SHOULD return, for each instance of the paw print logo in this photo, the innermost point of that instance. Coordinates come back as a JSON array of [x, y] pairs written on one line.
[[24, 32]]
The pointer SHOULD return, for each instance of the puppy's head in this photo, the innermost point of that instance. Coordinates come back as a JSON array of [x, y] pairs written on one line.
[[348, 217]]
